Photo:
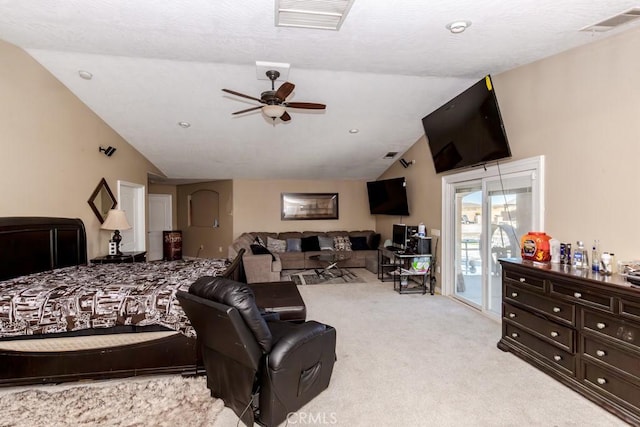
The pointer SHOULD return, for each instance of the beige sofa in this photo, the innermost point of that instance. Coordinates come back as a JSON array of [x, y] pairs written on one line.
[[267, 267]]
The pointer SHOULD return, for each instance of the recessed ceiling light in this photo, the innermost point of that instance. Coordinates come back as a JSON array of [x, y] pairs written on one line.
[[354, 130], [458, 27], [184, 124], [85, 75]]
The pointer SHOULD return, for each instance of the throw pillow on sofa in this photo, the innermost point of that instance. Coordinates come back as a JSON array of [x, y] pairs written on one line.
[[359, 243], [276, 245], [342, 243], [261, 250], [310, 243], [326, 243], [294, 245]]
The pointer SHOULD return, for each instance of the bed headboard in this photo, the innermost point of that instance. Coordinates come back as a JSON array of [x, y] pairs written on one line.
[[34, 244]]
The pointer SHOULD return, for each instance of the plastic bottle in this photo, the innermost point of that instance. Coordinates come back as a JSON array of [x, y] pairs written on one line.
[[421, 230], [595, 257], [555, 250], [579, 255]]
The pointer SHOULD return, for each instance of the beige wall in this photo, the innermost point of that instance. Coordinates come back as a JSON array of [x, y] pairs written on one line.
[[50, 163], [581, 109], [257, 204], [213, 240]]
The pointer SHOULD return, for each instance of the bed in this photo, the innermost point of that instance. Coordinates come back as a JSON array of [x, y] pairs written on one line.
[[63, 319]]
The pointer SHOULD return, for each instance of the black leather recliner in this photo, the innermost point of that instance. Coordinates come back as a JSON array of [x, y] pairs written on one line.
[[262, 369]]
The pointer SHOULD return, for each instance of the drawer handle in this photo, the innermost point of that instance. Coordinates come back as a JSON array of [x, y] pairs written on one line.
[[554, 334], [601, 353], [556, 309], [600, 325], [512, 315], [601, 380], [557, 358], [522, 280], [515, 335], [577, 294], [514, 294]]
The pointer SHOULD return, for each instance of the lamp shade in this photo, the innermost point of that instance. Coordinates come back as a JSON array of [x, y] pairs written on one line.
[[273, 111], [116, 220]]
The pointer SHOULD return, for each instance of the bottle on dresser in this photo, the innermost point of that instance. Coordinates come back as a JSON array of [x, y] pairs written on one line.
[[595, 257], [580, 257]]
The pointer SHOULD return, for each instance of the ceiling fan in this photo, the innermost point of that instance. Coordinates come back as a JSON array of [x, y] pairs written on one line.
[[275, 104]]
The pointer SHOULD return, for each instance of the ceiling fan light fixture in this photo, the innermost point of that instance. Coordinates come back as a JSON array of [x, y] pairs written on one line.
[[273, 111]]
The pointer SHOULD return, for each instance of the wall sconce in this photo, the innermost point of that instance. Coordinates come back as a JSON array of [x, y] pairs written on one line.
[[107, 151], [406, 164]]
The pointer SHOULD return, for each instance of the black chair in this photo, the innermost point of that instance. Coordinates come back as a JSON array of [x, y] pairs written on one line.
[[235, 270], [262, 369]]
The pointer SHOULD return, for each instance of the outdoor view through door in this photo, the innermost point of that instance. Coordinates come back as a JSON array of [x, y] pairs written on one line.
[[491, 214]]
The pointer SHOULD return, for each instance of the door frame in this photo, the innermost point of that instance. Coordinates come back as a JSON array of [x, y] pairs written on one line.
[[138, 216], [535, 164]]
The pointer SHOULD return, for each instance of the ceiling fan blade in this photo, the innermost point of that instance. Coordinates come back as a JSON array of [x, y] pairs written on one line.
[[247, 110], [284, 90], [306, 105], [242, 95], [285, 117]]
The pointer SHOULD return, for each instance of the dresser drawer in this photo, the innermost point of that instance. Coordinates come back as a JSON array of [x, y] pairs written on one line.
[[524, 278], [618, 329], [558, 334], [565, 362], [626, 361], [613, 384], [561, 310], [593, 298]]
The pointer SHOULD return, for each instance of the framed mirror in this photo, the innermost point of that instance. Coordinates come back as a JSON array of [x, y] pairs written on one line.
[[102, 200]]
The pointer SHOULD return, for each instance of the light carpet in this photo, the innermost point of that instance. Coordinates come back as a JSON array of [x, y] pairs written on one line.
[[427, 360], [150, 401]]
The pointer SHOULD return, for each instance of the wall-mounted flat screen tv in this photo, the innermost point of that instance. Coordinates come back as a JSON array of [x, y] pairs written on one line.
[[467, 130], [388, 197]]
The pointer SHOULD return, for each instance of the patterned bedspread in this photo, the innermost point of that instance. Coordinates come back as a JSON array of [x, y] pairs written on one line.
[[101, 296]]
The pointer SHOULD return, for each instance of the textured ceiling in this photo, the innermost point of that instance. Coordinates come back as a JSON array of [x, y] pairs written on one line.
[[156, 63]]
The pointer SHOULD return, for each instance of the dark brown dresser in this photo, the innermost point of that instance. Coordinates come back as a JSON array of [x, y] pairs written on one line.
[[583, 329]]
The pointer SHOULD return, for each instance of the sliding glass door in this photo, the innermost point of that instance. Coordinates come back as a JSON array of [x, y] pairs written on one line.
[[486, 212]]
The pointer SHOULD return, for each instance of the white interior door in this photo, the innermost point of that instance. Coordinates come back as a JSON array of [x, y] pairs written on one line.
[[131, 201], [160, 219]]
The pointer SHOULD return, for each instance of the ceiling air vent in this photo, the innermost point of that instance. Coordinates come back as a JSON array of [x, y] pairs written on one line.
[[318, 14], [390, 155], [615, 21]]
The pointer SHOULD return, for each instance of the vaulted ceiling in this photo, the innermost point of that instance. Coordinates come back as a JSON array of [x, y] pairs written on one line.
[[157, 63]]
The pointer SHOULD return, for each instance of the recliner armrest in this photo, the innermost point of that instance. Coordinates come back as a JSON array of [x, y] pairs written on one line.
[[298, 336]]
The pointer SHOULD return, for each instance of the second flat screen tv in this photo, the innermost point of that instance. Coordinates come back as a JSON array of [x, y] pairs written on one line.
[[467, 130], [388, 197]]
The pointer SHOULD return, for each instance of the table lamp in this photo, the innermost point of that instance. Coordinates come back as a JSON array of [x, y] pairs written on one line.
[[116, 220]]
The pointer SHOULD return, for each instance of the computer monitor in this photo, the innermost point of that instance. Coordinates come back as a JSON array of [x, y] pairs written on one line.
[[399, 236]]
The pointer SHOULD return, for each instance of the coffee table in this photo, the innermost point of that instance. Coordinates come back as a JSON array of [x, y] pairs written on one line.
[[333, 259]]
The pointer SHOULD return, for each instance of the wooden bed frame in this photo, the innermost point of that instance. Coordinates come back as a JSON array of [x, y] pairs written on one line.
[[35, 244]]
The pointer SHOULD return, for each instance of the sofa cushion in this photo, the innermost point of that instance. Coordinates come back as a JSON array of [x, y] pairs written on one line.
[[294, 245], [374, 241], [289, 235], [359, 243], [342, 243], [310, 243], [276, 245], [261, 250], [326, 243]]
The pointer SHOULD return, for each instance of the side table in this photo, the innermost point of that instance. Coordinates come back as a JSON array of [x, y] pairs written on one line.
[[126, 257]]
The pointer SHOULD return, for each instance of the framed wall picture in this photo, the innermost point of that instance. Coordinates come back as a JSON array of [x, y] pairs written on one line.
[[301, 206]]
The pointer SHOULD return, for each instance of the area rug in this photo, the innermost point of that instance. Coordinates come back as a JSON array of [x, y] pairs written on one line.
[[311, 277], [170, 401]]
